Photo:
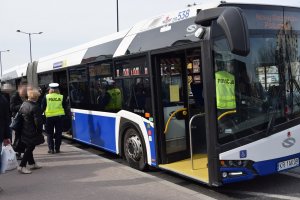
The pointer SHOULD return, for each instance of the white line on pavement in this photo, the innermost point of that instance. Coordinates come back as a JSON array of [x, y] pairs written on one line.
[[259, 194], [291, 174]]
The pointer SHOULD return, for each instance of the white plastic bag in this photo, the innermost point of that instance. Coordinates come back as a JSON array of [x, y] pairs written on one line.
[[8, 159]]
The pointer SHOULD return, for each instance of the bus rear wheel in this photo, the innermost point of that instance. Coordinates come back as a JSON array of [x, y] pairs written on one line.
[[134, 150]]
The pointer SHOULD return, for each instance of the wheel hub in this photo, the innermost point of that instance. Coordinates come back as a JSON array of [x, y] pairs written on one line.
[[134, 148]]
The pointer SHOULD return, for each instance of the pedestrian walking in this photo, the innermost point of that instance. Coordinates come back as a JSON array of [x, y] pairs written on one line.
[[32, 128], [7, 90], [16, 101], [4, 123], [54, 107]]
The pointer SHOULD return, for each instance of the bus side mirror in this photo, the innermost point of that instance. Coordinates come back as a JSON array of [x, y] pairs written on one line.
[[233, 23]]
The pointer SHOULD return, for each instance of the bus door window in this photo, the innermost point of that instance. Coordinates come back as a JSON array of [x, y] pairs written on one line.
[[196, 100], [194, 79], [78, 86], [173, 100], [171, 81]]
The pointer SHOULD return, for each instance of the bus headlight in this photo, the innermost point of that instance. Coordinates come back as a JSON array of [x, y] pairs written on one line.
[[224, 174], [235, 163]]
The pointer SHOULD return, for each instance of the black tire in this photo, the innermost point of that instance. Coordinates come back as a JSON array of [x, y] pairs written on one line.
[[134, 149]]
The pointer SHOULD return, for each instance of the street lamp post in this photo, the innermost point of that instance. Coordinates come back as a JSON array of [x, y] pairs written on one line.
[[1, 59], [29, 35], [117, 15]]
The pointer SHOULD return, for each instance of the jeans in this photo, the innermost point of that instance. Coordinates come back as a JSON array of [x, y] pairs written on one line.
[[28, 156]]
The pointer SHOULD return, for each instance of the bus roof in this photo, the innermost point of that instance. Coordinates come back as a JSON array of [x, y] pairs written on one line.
[[117, 44]]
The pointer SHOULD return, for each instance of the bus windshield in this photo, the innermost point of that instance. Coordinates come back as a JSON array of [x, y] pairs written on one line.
[[267, 81]]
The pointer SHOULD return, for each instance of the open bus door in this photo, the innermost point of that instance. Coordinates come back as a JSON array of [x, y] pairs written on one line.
[[181, 115], [60, 77]]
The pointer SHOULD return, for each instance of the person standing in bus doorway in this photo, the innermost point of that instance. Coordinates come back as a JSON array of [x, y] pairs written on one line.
[[16, 101], [54, 107]]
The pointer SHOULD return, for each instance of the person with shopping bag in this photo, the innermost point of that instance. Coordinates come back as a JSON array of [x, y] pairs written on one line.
[[4, 123], [32, 127]]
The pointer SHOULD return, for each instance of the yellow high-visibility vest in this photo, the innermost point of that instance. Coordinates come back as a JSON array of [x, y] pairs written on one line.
[[225, 90], [54, 105], [115, 101]]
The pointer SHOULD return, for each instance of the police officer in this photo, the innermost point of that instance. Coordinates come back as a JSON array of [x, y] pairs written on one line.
[[54, 107], [112, 100], [225, 88]]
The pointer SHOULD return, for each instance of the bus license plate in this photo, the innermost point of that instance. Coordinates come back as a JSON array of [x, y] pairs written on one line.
[[288, 164]]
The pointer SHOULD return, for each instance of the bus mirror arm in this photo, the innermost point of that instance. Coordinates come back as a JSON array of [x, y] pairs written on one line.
[[233, 23]]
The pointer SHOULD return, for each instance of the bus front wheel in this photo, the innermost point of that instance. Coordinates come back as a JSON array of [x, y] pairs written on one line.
[[134, 149]]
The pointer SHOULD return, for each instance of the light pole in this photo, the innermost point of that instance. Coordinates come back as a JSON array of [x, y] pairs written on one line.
[[117, 15], [29, 35], [1, 59]]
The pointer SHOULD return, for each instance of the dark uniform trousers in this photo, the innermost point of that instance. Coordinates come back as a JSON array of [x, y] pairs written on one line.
[[54, 139]]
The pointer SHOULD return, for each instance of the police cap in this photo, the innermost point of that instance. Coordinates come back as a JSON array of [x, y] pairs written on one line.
[[53, 85]]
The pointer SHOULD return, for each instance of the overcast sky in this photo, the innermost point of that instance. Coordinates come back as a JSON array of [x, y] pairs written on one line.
[[67, 23]]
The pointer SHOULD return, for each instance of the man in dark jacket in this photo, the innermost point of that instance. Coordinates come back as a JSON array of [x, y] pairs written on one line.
[[4, 122], [16, 101]]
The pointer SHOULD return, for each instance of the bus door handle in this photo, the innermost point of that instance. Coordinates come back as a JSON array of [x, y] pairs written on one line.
[[172, 114], [190, 132]]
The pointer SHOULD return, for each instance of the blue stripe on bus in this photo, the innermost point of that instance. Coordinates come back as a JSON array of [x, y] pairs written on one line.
[[96, 130], [152, 144], [270, 166], [262, 168]]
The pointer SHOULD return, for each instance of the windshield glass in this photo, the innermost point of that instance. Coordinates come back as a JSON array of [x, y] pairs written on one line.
[[265, 89]]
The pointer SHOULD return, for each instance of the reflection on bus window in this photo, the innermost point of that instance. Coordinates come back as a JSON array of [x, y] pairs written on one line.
[[132, 78], [267, 80], [78, 87], [171, 81], [99, 75]]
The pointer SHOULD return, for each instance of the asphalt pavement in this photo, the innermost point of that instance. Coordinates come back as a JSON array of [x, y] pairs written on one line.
[[78, 174]]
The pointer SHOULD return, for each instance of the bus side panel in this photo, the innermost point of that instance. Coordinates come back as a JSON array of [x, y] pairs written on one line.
[[273, 154], [95, 130]]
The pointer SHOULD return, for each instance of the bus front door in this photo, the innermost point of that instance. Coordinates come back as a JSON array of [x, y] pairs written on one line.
[[181, 113]]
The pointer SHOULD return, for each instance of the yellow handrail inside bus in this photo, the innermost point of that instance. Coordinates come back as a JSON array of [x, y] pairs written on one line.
[[171, 116], [226, 113]]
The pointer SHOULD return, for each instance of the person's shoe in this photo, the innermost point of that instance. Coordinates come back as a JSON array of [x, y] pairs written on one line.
[[35, 166], [57, 151], [51, 151], [24, 170]]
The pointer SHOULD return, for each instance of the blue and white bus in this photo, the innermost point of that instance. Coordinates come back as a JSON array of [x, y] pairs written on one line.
[[163, 70]]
